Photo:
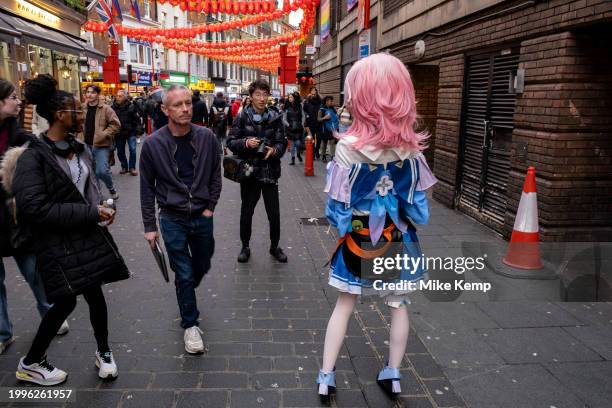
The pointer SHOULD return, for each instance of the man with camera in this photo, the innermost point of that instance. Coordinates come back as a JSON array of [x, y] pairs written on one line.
[[257, 136]]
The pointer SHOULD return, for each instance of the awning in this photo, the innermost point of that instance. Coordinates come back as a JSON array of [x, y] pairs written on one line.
[[42, 36], [5, 28], [89, 51]]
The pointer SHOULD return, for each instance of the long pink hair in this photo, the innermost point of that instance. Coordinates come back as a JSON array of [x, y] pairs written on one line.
[[380, 96]]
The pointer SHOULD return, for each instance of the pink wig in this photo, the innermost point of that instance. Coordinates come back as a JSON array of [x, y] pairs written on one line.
[[380, 96]]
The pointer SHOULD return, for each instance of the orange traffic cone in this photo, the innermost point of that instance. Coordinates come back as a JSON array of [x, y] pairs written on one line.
[[524, 249]]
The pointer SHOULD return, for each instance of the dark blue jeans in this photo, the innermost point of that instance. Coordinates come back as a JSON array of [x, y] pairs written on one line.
[[190, 244], [131, 142]]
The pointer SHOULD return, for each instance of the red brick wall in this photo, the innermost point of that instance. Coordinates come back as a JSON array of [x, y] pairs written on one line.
[[447, 127], [564, 118], [425, 79], [544, 18]]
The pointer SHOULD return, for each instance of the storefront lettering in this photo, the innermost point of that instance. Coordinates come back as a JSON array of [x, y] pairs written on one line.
[[37, 14]]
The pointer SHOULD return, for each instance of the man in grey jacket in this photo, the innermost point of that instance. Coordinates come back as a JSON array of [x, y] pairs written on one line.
[[180, 168]]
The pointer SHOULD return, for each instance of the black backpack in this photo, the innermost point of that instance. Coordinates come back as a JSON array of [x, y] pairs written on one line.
[[219, 116]]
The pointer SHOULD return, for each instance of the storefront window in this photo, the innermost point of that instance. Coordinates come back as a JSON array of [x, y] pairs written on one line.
[[7, 67], [66, 72], [40, 60]]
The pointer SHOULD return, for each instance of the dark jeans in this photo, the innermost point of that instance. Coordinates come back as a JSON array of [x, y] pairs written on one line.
[[249, 194], [190, 244], [61, 309], [131, 142]]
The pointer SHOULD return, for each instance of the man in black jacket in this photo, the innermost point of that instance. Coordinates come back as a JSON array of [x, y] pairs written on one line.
[[257, 135], [220, 117], [312, 105], [200, 110], [130, 127], [180, 168]]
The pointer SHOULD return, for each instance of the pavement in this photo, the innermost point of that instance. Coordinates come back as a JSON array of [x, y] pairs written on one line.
[[264, 324]]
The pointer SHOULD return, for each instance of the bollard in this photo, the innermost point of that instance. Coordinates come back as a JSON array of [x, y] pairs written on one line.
[[289, 141], [148, 126], [309, 159]]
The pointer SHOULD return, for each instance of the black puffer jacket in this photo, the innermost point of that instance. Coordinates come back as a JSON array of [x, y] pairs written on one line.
[[200, 110], [17, 136], [127, 113], [73, 252], [311, 109], [271, 130]]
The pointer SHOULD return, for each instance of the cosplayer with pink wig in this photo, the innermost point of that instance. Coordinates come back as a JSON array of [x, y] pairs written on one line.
[[376, 194]]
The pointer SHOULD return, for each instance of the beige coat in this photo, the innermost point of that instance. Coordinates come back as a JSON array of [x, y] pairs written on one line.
[[107, 125]]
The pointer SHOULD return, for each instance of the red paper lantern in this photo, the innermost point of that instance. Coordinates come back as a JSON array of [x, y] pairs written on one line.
[[303, 79]]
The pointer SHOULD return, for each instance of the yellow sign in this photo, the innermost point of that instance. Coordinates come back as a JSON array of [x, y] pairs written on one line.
[[202, 85], [35, 13]]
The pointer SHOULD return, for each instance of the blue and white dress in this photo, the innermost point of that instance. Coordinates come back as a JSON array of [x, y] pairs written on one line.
[[379, 184]]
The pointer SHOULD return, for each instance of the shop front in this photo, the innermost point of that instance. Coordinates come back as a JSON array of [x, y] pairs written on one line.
[[203, 86], [37, 38]]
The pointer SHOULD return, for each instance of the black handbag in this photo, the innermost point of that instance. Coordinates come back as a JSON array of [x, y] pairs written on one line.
[[20, 235], [237, 169]]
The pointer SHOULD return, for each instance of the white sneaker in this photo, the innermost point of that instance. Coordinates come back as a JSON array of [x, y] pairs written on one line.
[[64, 328], [41, 373], [4, 344], [193, 340], [106, 364]]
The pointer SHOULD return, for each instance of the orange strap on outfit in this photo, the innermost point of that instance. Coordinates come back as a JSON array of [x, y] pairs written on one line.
[[362, 253]]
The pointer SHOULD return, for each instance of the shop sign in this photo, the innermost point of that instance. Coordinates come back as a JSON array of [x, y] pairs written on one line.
[[143, 78], [311, 50], [35, 13], [364, 43], [174, 79]]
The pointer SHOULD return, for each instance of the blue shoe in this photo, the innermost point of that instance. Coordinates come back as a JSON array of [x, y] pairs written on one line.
[[389, 381], [327, 385]]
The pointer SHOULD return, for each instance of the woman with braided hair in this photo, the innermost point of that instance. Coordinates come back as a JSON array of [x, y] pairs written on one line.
[[58, 199]]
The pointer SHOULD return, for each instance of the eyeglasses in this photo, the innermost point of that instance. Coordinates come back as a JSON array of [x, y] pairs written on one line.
[[260, 95]]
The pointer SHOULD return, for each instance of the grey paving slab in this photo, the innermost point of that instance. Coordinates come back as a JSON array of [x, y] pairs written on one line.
[[202, 399], [512, 386], [590, 313], [532, 345], [597, 338], [256, 399], [153, 399], [589, 381], [96, 399], [449, 315], [452, 348], [527, 314]]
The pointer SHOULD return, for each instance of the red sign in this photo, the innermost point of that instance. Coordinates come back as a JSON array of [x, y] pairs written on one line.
[[110, 67], [363, 15], [288, 67]]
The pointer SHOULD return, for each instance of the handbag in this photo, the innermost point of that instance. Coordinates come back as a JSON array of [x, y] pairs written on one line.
[[237, 169]]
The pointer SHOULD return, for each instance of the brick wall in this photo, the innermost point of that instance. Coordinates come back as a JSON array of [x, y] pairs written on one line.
[[447, 127], [563, 118], [425, 79], [545, 17]]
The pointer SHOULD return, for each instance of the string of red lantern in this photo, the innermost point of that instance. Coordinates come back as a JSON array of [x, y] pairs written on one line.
[[260, 53]]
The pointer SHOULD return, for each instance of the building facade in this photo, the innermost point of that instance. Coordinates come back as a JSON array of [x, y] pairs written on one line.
[[501, 86], [44, 37]]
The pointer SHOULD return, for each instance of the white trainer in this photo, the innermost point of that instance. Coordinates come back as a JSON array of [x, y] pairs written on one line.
[[41, 373], [63, 328], [106, 364], [193, 340]]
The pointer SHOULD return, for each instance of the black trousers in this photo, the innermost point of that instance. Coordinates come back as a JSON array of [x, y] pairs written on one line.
[[249, 194], [61, 309]]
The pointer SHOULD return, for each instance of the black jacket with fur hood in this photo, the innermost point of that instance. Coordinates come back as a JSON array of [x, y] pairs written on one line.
[[73, 252]]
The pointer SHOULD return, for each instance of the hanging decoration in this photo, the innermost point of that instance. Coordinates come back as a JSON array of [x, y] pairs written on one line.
[[259, 53]]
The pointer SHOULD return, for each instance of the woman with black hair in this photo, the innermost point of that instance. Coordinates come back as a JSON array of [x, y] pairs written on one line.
[[12, 135], [294, 119], [58, 198]]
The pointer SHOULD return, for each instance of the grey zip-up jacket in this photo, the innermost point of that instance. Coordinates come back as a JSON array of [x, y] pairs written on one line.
[[159, 178]]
